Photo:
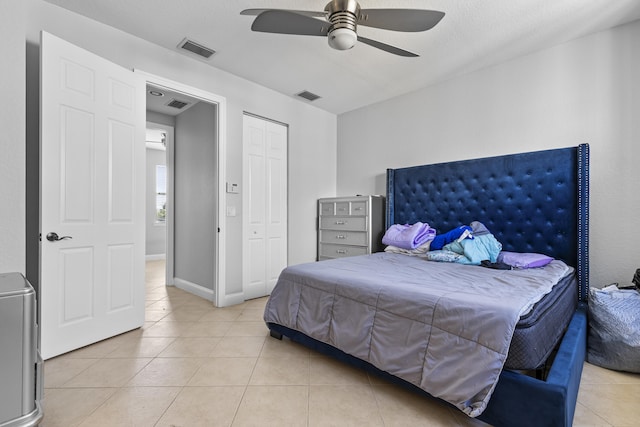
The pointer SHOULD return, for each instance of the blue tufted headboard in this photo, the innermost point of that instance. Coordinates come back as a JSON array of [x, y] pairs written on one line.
[[531, 202]]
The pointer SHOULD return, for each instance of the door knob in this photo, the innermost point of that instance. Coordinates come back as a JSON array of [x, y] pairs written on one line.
[[53, 237]]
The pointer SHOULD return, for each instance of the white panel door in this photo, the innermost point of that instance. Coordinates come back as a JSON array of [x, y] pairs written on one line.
[[264, 205], [92, 190]]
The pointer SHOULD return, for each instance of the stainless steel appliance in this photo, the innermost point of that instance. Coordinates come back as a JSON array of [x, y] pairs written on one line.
[[21, 367]]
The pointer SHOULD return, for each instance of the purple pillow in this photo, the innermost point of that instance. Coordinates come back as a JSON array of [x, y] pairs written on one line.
[[524, 260]]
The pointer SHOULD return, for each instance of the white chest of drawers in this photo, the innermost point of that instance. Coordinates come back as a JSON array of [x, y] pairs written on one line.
[[349, 226]]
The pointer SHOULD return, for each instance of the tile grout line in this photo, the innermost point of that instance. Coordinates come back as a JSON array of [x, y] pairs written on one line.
[[244, 392]]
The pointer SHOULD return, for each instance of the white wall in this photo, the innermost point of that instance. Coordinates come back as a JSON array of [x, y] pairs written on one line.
[[587, 90], [12, 138], [162, 119], [196, 195], [312, 132]]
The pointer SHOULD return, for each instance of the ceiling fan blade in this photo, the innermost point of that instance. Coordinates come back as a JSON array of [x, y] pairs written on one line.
[[387, 48], [286, 22], [311, 13], [409, 20]]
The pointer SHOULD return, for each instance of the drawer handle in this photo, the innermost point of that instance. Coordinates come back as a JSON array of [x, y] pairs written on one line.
[[357, 209], [341, 251], [341, 236], [341, 222]]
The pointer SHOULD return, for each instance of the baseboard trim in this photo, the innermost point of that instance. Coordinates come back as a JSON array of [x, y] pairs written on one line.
[[233, 299], [192, 288], [154, 257]]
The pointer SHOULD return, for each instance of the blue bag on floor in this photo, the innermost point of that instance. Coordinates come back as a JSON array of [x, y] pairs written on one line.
[[614, 329]]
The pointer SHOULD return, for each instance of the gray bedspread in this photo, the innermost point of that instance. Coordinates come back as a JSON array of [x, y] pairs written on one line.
[[443, 327]]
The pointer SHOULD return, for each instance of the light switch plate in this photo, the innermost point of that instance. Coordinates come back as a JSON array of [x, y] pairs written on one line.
[[232, 188]]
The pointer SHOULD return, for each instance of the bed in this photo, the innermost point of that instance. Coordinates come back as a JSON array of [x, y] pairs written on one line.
[[531, 202]]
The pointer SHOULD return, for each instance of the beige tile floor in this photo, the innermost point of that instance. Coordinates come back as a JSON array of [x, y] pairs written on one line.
[[195, 365]]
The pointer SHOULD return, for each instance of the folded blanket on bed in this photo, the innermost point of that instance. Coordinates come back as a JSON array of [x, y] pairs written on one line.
[[408, 236], [419, 251]]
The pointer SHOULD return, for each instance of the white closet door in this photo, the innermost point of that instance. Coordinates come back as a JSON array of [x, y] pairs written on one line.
[[92, 190], [264, 205]]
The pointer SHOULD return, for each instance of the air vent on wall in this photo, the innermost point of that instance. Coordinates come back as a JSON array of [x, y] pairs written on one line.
[[308, 95], [177, 104], [196, 48]]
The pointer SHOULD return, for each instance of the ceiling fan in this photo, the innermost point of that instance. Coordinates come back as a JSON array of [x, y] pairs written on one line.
[[340, 21]]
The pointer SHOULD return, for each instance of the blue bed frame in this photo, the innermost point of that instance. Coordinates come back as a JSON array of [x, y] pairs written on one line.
[[531, 202]]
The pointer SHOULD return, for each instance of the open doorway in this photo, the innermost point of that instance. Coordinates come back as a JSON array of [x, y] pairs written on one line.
[[157, 135], [189, 210], [159, 179]]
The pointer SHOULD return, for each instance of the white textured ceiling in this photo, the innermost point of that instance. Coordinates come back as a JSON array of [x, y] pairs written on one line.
[[473, 34]]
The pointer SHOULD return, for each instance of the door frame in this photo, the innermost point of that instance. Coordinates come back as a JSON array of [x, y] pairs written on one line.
[[219, 292]]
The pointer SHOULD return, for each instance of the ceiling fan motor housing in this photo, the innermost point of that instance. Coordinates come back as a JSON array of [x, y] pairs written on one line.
[[343, 16]]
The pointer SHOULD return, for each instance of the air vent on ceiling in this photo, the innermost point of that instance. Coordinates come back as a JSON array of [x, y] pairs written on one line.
[[196, 48], [308, 95], [177, 104]]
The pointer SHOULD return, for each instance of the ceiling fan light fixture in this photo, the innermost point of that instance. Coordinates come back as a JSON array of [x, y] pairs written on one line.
[[342, 38], [343, 18]]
